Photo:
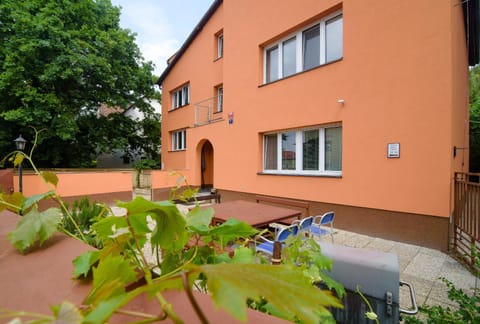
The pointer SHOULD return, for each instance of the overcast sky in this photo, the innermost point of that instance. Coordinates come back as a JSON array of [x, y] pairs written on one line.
[[161, 25]]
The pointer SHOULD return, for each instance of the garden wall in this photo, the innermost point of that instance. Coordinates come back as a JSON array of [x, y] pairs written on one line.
[[104, 185]]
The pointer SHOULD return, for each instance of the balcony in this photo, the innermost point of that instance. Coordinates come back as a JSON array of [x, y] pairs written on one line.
[[208, 111]]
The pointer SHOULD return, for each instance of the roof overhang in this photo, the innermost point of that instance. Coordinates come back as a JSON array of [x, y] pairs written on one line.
[[198, 28]]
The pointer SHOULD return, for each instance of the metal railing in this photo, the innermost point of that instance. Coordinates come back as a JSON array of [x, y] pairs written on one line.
[[466, 217], [208, 111]]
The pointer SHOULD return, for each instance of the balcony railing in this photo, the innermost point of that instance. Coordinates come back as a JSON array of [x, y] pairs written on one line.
[[208, 111]]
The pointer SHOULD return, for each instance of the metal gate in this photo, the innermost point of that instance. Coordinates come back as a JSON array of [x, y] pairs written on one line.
[[466, 217]]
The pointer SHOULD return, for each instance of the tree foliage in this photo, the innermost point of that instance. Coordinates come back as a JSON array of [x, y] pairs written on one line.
[[475, 119], [59, 61]]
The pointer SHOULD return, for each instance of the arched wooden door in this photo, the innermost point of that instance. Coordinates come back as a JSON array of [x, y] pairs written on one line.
[[206, 165]]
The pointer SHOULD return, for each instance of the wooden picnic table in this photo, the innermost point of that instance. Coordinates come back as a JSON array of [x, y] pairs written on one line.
[[255, 214]]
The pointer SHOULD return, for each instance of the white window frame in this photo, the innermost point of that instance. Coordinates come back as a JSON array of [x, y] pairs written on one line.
[[220, 45], [299, 47], [220, 98], [179, 140], [299, 153], [181, 96]]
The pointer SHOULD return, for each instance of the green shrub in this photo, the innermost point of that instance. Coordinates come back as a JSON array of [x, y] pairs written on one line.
[[85, 215]]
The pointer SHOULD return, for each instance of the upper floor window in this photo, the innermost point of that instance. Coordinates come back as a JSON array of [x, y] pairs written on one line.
[[181, 97], [220, 98], [312, 151], [313, 46], [179, 140], [220, 45]]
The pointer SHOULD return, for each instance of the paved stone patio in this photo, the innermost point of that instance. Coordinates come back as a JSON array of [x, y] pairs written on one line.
[[418, 266]]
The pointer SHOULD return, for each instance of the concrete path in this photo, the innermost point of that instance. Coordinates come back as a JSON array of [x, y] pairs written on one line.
[[418, 266]]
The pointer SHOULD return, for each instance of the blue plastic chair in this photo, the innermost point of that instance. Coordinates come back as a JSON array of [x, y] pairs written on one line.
[[266, 246], [323, 225], [304, 225]]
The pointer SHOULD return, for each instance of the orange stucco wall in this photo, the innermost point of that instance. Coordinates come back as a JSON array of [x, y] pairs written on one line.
[[164, 179], [402, 76], [77, 183]]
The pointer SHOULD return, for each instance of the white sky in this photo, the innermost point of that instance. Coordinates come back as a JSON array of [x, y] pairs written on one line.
[[161, 26]]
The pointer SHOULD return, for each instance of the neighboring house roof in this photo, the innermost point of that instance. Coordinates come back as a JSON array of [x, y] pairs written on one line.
[[174, 59], [471, 15], [106, 110]]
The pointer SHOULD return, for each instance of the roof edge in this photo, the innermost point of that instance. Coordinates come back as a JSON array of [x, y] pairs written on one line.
[[198, 28]]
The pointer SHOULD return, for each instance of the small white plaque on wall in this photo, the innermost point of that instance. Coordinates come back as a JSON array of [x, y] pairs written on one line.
[[393, 150]]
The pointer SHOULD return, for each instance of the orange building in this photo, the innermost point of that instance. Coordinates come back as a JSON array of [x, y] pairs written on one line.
[[353, 106]]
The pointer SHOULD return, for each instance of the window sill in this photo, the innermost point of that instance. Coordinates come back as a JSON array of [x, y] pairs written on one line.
[[298, 73], [175, 109], [301, 175], [175, 151]]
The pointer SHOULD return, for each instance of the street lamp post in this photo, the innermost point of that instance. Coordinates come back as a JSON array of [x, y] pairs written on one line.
[[20, 144]]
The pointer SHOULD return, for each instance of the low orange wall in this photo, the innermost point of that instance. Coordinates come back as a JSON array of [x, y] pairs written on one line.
[[93, 182], [78, 183], [168, 179]]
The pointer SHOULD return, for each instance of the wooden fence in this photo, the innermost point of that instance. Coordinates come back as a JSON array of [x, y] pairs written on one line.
[[466, 218]]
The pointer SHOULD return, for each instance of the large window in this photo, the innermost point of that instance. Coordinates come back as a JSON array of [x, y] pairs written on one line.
[[181, 97], [312, 151], [310, 47], [179, 140]]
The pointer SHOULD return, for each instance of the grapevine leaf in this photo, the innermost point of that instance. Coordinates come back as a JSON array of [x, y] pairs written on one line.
[[222, 258], [139, 223], [30, 201], [169, 232], [8, 201], [50, 177], [67, 313], [199, 218], [188, 193], [234, 228], [105, 309], [18, 159], [110, 278], [285, 287], [243, 255], [141, 205], [35, 225], [228, 231], [84, 262], [107, 227]]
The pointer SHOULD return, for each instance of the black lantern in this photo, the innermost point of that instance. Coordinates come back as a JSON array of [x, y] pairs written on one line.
[[20, 144]]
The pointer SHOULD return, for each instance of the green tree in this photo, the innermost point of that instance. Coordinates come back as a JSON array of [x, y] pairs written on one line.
[[59, 61], [475, 119]]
